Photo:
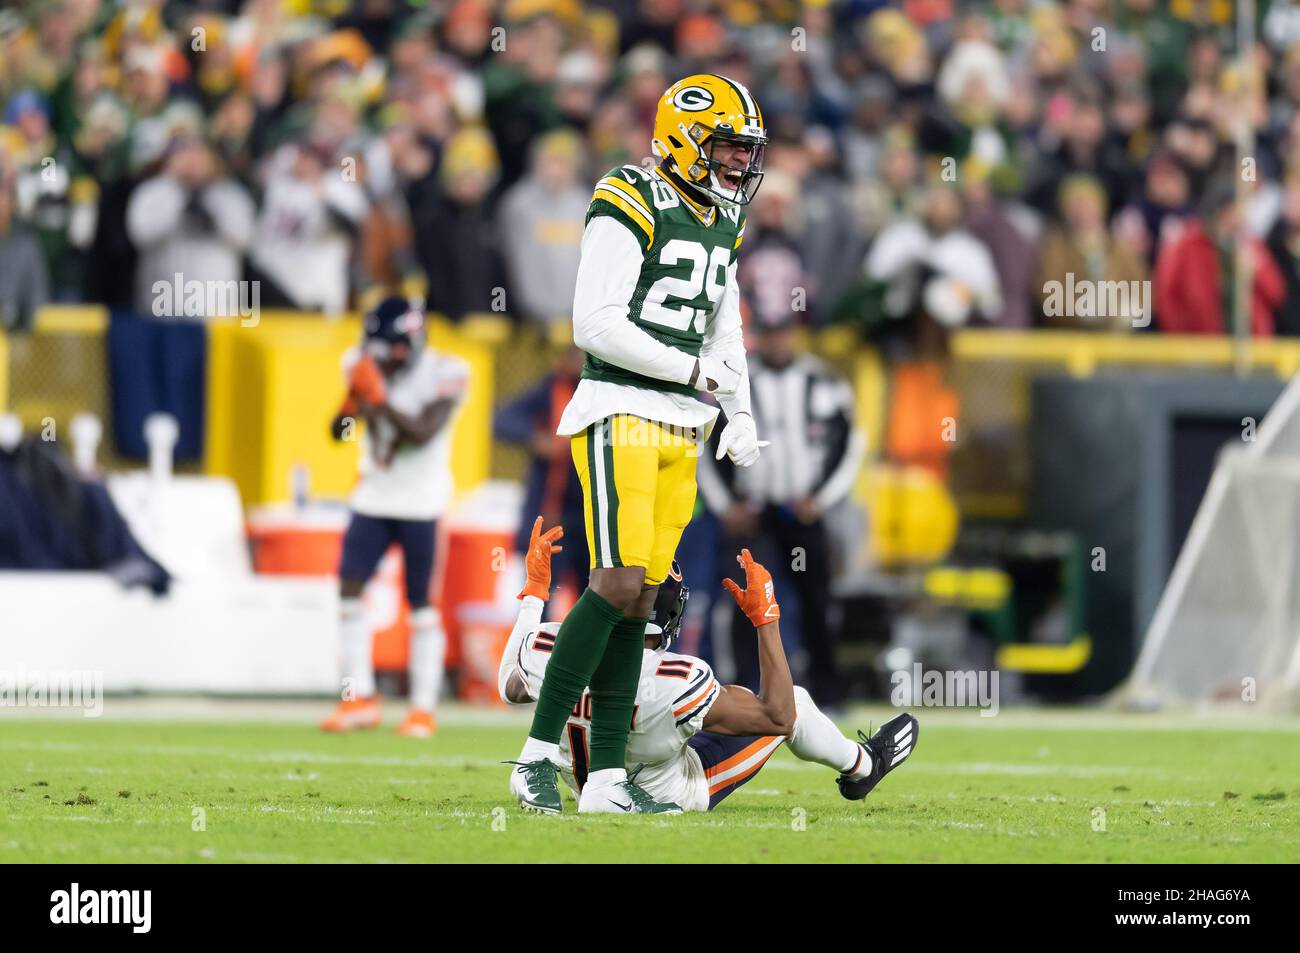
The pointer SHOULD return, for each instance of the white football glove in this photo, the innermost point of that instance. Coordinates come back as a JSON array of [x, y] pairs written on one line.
[[717, 376], [740, 441]]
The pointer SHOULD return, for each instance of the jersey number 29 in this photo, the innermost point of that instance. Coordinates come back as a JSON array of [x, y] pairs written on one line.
[[708, 276]]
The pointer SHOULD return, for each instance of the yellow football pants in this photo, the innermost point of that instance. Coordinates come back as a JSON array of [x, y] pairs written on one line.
[[638, 488]]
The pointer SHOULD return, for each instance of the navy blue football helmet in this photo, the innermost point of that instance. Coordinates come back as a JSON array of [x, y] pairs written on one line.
[[670, 606], [394, 331]]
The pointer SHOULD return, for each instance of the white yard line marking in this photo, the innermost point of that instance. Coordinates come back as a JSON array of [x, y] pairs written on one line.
[[915, 765], [272, 757], [173, 710]]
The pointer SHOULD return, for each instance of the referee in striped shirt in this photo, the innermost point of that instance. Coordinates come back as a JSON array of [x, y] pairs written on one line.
[[778, 506]]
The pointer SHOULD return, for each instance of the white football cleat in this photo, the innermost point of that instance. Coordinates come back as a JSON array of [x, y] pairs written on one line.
[[621, 795], [536, 786]]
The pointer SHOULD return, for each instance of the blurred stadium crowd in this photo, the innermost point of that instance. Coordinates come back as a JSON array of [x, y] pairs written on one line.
[[934, 163]]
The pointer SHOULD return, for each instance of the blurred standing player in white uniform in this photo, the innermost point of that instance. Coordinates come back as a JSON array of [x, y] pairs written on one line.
[[694, 741], [407, 394]]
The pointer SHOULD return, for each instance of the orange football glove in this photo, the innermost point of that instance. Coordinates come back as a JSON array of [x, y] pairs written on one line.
[[367, 381], [538, 561], [758, 599]]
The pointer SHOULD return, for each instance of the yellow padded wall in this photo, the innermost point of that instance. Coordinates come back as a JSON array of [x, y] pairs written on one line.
[[274, 388]]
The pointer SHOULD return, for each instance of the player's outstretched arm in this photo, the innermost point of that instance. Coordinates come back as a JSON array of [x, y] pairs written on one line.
[[513, 682], [738, 711]]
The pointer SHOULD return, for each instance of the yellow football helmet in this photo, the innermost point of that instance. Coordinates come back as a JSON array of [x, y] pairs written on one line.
[[695, 116]]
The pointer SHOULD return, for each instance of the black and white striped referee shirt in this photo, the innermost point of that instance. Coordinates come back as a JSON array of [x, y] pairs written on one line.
[[806, 410]]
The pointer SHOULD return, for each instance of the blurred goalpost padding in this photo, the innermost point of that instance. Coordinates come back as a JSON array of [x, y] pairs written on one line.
[[1227, 627]]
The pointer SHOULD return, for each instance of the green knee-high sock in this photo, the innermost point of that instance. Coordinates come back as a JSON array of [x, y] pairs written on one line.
[[613, 693], [579, 646]]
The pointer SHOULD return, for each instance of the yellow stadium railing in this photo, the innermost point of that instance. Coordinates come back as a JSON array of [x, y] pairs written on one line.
[[992, 372], [1083, 353], [57, 370], [273, 389]]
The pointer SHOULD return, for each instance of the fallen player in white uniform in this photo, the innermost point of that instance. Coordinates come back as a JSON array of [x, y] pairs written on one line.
[[693, 741]]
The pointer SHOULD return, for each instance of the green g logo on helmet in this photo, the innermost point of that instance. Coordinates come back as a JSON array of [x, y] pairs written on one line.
[[693, 99]]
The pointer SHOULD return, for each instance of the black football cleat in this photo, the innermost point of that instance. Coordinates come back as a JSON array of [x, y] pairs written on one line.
[[889, 747]]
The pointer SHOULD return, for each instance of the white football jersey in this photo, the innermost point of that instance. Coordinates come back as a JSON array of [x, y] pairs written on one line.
[[408, 481], [298, 243], [672, 698]]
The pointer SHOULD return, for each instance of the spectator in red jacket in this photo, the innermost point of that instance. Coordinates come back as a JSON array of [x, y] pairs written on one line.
[[1195, 273]]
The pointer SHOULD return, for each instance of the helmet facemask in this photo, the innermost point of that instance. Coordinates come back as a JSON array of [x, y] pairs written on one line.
[[726, 185], [669, 608]]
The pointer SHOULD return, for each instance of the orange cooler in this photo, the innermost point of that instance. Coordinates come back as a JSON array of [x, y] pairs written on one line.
[[471, 561], [308, 541]]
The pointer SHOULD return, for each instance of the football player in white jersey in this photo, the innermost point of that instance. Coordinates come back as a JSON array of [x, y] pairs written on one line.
[[407, 394], [694, 741]]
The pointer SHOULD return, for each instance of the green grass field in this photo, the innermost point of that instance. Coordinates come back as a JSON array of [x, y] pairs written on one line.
[[1023, 786]]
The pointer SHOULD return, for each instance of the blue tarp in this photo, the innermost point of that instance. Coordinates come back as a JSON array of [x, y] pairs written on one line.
[[157, 366], [51, 519]]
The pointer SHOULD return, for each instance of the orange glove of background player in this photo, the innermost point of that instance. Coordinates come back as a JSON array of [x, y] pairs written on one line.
[[367, 381], [538, 561], [758, 599]]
